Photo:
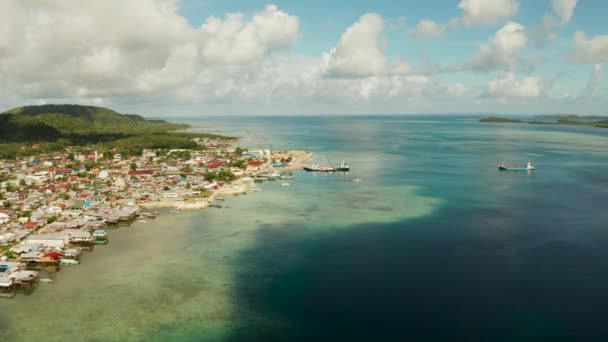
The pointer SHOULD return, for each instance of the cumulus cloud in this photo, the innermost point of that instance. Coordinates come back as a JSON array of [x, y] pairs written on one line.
[[501, 50], [232, 40], [426, 29], [487, 12], [564, 9], [57, 49], [360, 51], [562, 13], [595, 79], [507, 86], [590, 50]]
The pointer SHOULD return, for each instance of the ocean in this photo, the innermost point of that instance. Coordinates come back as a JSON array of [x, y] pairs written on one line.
[[434, 244]]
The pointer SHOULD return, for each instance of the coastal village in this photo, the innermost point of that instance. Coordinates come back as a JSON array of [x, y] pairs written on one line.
[[54, 206]]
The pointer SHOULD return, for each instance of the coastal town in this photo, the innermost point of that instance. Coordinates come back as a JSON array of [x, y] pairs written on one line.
[[54, 206]]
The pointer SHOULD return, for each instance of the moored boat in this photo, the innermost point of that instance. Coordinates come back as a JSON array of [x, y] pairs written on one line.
[[320, 168], [69, 262], [100, 233], [503, 167]]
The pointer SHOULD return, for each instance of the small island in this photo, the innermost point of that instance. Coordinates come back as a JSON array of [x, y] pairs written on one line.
[[499, 120], [562, 119]]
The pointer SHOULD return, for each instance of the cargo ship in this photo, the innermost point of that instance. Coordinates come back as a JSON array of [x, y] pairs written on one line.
[[503, 167]]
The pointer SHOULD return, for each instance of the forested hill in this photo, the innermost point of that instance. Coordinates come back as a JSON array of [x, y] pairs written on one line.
[[52, 122]]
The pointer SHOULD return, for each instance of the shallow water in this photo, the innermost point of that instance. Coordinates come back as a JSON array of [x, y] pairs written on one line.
[[434, 244]]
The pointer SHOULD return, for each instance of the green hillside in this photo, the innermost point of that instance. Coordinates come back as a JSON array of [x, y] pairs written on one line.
[[48, 122], [59, 126]]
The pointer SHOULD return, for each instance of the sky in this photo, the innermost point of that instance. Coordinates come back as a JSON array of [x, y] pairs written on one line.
[[226, 57]]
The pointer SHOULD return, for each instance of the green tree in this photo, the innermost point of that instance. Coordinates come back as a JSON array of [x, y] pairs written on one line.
[[51, 219], [8, 204], [133, 166]]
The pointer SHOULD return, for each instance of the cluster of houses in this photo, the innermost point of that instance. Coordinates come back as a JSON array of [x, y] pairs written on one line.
[[52, 205]]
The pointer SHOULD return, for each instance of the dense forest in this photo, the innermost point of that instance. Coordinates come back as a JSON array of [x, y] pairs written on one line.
[[57, 126]]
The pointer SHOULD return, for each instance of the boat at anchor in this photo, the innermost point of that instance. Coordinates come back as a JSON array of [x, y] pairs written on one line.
[[503, 167]]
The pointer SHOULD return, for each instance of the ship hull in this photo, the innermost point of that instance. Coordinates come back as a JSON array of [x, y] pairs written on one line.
[[312, 169], [502, 168]]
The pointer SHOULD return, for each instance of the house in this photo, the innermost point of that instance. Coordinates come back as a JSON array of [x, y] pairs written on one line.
[[170, 194], [214, 164], [119, 182], [4, 218], [103, 174], [98, 199], [30, 225], [73, 213], [52, 240], [211, 186], [77, 235], [54, 210], [31, 256]]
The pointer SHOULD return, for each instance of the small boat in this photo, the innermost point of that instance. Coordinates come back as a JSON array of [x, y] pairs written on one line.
[[503, 167], [142, 221], [46, 280], [100, 242], [100, 233], [357, 180], [215, 206], [285, 184], [286, 177], [273, 175], [343, 167], [70, 262]]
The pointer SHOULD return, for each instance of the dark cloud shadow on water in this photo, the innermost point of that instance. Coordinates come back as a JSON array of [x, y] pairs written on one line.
[[473, 275]]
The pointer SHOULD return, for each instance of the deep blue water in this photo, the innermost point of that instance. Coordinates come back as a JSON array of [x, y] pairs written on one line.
[[503, 256]]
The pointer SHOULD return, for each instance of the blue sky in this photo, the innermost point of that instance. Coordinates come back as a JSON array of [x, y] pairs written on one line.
[[300, 57]]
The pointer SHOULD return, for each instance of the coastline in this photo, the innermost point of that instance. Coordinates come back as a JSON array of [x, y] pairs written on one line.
[[126, 191]]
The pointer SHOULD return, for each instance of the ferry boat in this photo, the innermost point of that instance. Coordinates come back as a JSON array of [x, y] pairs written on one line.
[[343, 167], [503, 167], [320, 168]]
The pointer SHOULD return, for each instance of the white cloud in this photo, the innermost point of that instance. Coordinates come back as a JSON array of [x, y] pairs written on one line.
[[507, 86], [591, 51], [595, 79], [427, 29], [56, 49], [487, 12], [501, 50], [235, 41], [360, 51], [564, 9]]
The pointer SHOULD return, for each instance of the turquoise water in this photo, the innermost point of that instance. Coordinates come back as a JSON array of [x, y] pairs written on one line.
[[434, 244]]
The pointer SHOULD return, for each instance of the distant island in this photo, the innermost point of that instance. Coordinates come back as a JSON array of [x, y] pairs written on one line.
[[35, 129], [499, 120], [571, 116], [562, 119]]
